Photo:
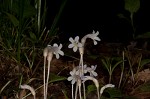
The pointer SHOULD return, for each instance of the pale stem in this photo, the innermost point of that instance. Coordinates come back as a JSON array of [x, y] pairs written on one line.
[[76, 91], [49, 58], [44, 77], [84, 90], [98, 93], [122, 70], [79, 81], [72, 92]]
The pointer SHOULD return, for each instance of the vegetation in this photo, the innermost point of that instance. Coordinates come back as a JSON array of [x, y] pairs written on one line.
[[28, 66]]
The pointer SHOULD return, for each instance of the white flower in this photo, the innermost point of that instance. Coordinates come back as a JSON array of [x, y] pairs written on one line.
[[29, 88], [85, 78], [94, 37], [106, 86], [79, 70], [75, 44], [73, 78], [57, 50], [92, 70]]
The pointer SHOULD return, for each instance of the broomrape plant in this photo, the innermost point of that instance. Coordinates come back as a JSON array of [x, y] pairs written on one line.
[[79, 73], [48, 54]]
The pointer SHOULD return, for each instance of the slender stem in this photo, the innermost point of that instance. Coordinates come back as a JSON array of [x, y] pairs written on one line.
[[80, 92], [122, 72], [98, 93], [84, 90], [48, 71], [39, 15], [110, 74], [72, 92], [79, 84], [44, 77], [76, 91]]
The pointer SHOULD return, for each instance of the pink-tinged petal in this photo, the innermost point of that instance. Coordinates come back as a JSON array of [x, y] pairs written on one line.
[[70, 46], [77, 38], [75, 49], [71, 39]]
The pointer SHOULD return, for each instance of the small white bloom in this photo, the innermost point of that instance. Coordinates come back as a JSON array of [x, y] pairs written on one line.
[[57, 50], [73, 78], [75, 44], [94, 37], [29, 88], [79, 70], [106, 86], [85, 78], [92, 70]]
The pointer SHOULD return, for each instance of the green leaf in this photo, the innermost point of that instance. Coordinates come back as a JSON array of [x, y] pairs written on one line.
[[91, 88], [55, 78], [33, 36], [106, 64], [114, 93], [116, 65], [144, 62], [132, 5], [143, 36], [65, 94], [144, 87], [13, 19]]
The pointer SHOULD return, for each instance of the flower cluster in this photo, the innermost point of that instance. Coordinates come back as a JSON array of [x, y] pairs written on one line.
[[75, 73], [75, 44]]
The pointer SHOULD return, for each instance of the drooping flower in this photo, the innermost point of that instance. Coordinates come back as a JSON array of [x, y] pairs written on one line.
[[25, 86], [106, 86], [75, 44], [91, 70], [85, 78], [94, 37], [57, 50]]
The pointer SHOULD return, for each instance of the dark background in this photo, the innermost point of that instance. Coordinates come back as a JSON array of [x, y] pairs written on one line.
[[80, 17]]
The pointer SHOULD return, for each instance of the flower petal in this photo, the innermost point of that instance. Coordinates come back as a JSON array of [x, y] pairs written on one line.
[[57, 56], [61, 53], [60, 46], [94, 73], [75, 48], [70, 45], [69, 78], [77, 38], [95, 42], [97, 38], [55, 45], [71, 39]]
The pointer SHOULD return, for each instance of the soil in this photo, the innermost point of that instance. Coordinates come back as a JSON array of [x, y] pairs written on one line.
[[10, 72]]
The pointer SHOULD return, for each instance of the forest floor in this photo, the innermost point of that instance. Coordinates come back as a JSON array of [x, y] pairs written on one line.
[[59, 86]]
